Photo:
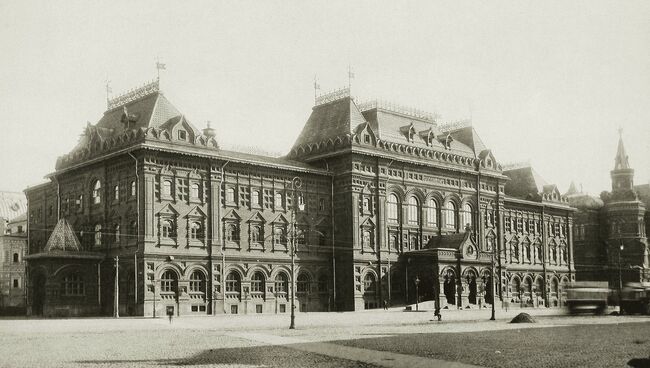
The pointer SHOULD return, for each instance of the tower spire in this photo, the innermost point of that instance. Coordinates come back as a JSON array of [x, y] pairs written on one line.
[[621, 161]]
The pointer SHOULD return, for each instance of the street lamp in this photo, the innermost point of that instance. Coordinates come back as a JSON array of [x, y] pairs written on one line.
[[296, 183], [417, 298], [620, 276]]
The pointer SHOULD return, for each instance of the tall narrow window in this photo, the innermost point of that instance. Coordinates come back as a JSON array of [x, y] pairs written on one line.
[[98, 235], [281, 283], [432, 213], [194, 191], [302, 284], [233, 283], [392, 212], [116, 233], [366, 204], [133, 188], [116, 193], [413, 211], [167, 188], [230, 195], [278, 201], [468, 215], [73, 285], [450, 215], [369, 284], [167, 228], [255, 198], [257, 283], [195, 230], [97, 192]]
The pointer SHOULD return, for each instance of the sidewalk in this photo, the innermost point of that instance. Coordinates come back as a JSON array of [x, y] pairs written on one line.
[[396, 316]]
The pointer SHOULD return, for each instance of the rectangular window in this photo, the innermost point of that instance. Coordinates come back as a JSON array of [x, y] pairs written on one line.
[[258, 308], [321, 204], [283, 308], [182, 135], [201, 308], [16, 283], [233, 309], [195, 308], [182, 190]]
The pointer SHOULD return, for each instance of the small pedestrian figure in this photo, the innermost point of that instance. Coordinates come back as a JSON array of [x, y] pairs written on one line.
[[170, 313], [385, 305], [436, 313]]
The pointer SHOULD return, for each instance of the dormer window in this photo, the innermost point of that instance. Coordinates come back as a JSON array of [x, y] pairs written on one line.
[[182, 135], [366, 138]]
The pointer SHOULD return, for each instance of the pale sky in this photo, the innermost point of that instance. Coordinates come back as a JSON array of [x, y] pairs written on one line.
[[549, 82]]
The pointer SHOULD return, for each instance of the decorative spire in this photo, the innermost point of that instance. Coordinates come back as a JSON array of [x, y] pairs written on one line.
[[621, 160], [572, 189]]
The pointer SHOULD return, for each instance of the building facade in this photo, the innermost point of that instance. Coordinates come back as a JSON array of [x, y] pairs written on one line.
[[13, 247], [365, 192], [611, 231]]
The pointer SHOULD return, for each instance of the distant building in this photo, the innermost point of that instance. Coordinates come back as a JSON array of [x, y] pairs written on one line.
[[13, 245], [372, 197], [611, 241]]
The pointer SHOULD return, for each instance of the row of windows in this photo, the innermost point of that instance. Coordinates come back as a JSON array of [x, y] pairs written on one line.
[[523, 253], [521, 225], [115, 193], [414, 211], [268, 199]]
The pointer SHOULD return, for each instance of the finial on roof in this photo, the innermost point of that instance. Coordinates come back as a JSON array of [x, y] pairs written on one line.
[[209, 132], [160, 66]]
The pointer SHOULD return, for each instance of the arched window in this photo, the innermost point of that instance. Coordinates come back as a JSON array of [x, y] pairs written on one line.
[[366, 204], [230, 195], [278, 204], [196, 231], [432, 213], [255, 198], [366, 239], [73, 285], [194, 191], [281, 283], [257, 283], [302, 284], [116, 193], [468, 216], [515, 249], [413, 211], [133, 230], [450, 215], [116, 233], [414, 241], [97, 192], [369, 283], [167, 188], [233, 284], [133, 188], [98, 235], [197, 282], [15, 257], [167, 228], [255, 234], [232, 234], [392, 212], [278, 235], [168, 282]]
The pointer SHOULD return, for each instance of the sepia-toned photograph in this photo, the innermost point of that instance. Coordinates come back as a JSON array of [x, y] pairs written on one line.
[[244, 184]]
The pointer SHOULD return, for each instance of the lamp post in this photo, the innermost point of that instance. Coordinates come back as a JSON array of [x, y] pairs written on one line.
[[620, 276], [417, 297], [116, 306], [296, 183], [492, 282]]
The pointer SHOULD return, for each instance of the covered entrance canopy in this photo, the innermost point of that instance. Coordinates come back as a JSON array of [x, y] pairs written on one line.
[[63, 280], [451, 270]]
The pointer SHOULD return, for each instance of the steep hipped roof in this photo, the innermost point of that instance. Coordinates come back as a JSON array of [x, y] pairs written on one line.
[[150, 111], [12, 205], [524, 183], [643, 191], [63, 238], [329, 121]]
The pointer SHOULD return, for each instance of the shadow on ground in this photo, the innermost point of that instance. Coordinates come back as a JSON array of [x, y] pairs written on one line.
[[268, 356]]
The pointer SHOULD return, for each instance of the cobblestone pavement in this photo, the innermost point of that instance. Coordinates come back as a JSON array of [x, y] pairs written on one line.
[[251, 341]]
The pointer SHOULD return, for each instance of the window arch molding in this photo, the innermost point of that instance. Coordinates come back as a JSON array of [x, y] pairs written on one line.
[[370, 285], [432, 210], [414, 204], [467, 214], [393, 207]]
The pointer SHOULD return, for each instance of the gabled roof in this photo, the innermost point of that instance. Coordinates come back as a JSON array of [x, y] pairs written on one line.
[[451, 241], [63, 238]]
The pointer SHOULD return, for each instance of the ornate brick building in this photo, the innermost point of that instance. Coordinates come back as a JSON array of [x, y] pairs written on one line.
[[611, 231], [13, 245], [371, 195]]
